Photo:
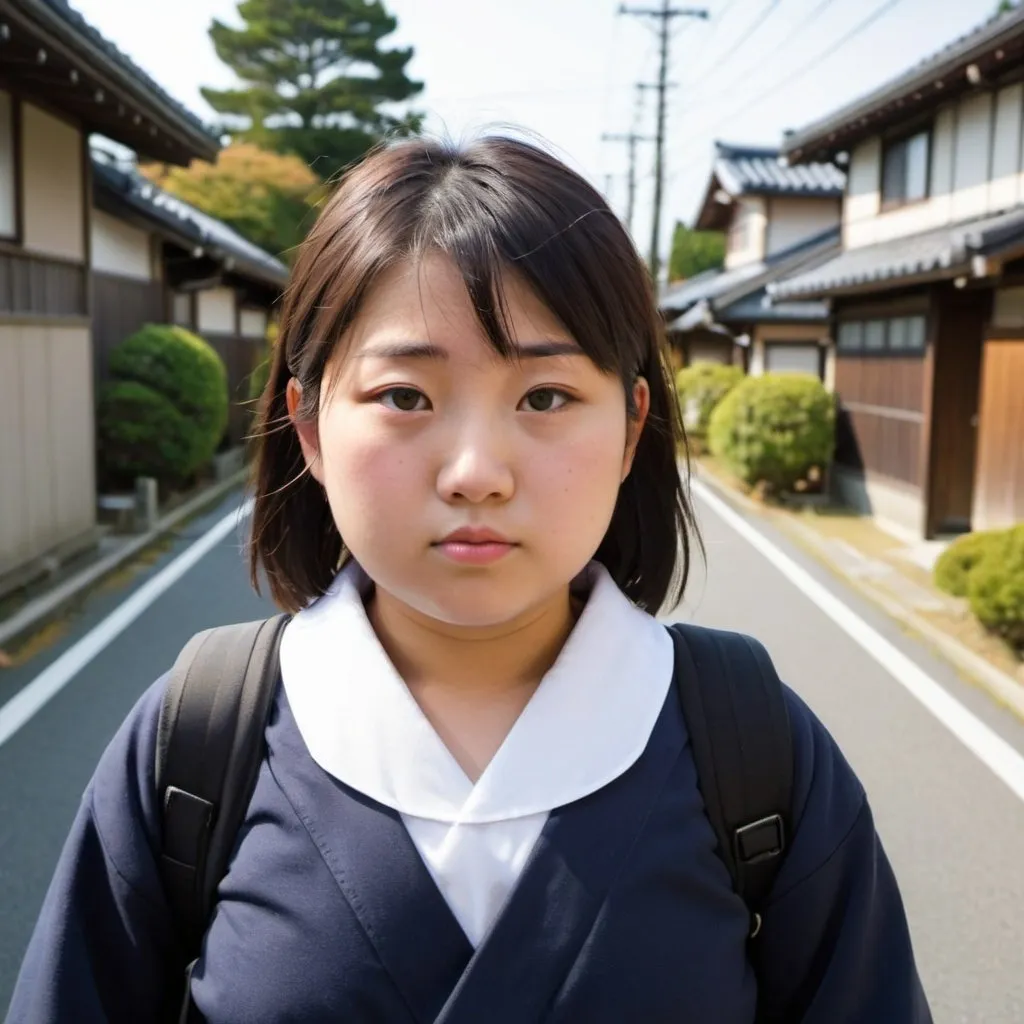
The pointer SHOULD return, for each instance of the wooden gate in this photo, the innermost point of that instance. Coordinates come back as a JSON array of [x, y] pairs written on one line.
[[999, 483]]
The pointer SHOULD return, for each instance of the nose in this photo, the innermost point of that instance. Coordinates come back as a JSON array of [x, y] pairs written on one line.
[[477, 467]]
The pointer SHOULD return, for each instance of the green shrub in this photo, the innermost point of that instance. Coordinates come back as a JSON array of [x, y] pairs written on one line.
[[166, 408], [143, 434], [700, 388], [995, 588], [958, 561], [773, 430]]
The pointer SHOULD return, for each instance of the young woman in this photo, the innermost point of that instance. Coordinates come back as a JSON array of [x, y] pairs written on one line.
[[477, 801]]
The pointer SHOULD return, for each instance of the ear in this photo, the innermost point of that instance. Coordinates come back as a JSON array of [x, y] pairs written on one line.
[[306, 430], [635, 425]]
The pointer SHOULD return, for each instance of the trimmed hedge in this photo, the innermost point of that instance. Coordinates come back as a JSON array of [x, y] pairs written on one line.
[[166, 409], [955, 565], [995, 588], [700, 388], [774, 430]]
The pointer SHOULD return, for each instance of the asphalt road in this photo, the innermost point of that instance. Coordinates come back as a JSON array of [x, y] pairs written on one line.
[[954, 831]]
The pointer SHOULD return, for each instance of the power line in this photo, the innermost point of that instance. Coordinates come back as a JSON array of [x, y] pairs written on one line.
[[782, 44], [766, 94], [708, 71]]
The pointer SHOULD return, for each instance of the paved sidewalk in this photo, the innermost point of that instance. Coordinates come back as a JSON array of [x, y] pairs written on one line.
[[897, 575]]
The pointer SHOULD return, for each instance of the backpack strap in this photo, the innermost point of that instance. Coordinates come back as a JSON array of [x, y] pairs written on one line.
[[209, 749], [736, 715]]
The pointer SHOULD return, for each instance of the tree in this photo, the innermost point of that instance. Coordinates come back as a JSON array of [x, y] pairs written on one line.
[[694, 251], [266, 197], [1005, 6], [314, 78]]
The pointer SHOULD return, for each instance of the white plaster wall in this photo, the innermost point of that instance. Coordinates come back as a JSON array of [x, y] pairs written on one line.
[[53, 182], [254, 323], [976, 169], [793, 220], [746, 244], [118, 248], [216, 311]]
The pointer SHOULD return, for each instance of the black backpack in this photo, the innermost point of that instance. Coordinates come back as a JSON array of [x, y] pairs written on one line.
[[211, 743]]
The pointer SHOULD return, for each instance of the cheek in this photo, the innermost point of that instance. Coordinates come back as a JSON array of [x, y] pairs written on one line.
[[369, 479]]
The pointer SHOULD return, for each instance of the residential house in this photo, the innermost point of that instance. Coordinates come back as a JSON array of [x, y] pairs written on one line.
[[777, 221], [927, 296], [59, 82], [155, 258]]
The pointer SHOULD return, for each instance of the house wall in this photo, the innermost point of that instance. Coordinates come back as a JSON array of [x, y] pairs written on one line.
[[747, 235], [766, 334], [976, 168], [793, 220], [120, 249], [47, 460], [253, 323], [47, 431], [53, 184], [215, 311]]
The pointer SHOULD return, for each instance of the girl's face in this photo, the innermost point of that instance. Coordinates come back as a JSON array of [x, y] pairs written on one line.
[[425, 431]]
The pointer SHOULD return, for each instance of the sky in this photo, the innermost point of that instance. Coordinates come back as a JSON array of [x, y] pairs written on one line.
[[567, 70]]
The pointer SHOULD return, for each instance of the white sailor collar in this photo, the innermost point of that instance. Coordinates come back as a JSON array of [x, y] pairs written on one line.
[[587, 723]]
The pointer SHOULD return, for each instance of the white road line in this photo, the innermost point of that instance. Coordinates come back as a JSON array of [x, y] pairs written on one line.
[[990, 748], [36, 694]]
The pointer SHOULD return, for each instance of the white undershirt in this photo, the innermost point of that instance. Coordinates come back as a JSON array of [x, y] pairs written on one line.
[[586, 724]]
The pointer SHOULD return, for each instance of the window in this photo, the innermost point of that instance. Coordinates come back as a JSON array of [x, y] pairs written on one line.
[[850, 336], [905, 170], [904, 335], [874, 335], [8, 178]]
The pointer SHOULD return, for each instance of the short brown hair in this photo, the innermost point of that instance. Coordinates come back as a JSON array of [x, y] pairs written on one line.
[[494, 206]]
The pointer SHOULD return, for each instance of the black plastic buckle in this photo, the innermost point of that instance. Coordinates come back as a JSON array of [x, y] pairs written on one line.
[[760, 840]]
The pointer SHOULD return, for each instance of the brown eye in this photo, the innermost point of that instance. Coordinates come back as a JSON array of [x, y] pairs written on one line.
[[546, 400], [403, 399]]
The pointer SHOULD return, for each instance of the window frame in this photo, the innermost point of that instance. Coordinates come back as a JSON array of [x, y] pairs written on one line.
[[889, 146], [860, 350]]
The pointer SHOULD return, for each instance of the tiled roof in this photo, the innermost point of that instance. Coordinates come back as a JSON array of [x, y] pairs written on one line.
[[746, 170], [79, 41], [945, 251], [1003, 34], [183, 219], [722, 288]]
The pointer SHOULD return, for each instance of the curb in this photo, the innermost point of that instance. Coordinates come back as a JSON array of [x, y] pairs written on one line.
[[1002, 688], [46, 605]]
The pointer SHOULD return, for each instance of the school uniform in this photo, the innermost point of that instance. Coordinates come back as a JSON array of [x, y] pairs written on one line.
[[577, 880]]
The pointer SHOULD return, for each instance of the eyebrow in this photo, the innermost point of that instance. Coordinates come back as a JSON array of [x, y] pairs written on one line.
[[425, 350]]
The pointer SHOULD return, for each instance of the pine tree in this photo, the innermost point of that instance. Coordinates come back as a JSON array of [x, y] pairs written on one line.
[[314, 78]]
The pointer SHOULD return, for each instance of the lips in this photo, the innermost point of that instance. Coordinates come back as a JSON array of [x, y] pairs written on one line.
[[475, 545]]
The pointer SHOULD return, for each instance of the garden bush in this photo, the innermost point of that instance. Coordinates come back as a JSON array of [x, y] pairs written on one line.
[[958, 561], [700, 388], [774, 430], [165, 409], [995, 588]]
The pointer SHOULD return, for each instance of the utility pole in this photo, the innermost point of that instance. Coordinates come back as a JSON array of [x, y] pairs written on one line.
[[631, 139], [664, 16]]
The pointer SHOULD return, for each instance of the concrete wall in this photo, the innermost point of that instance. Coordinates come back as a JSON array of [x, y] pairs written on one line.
[[53, 177], [975, 166]]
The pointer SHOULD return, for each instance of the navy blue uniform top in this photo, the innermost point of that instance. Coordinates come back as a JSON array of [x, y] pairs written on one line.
[[623, 913]]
